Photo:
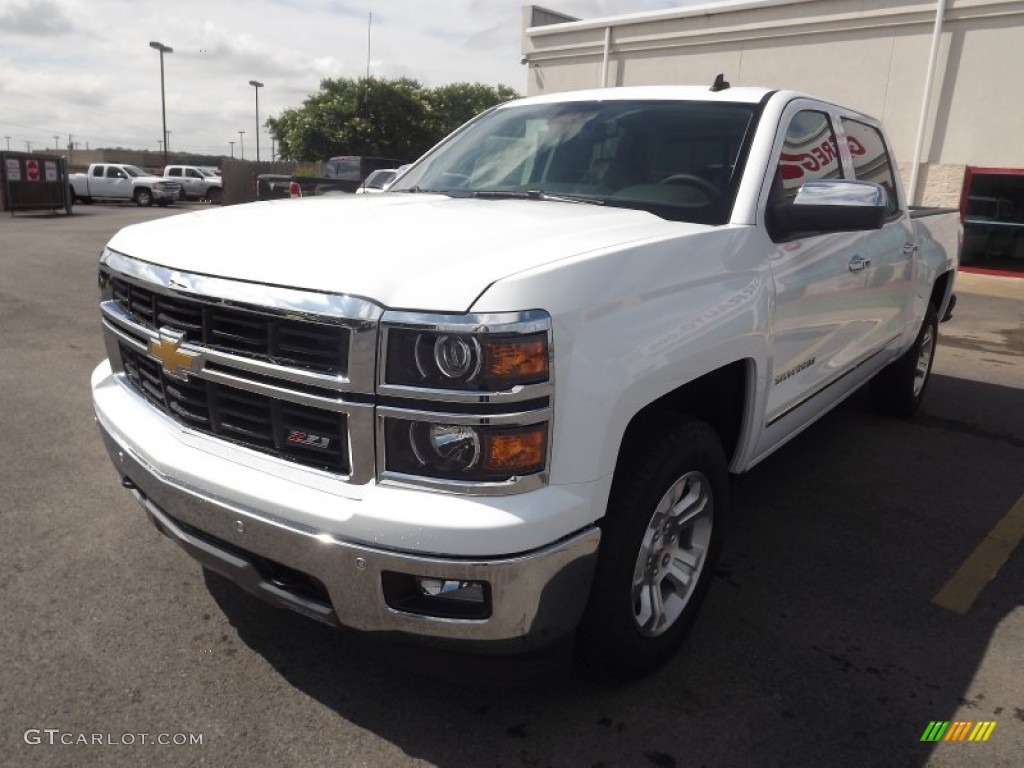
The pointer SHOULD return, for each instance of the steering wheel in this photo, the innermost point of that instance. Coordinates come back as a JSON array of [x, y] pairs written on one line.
[[687, 179]]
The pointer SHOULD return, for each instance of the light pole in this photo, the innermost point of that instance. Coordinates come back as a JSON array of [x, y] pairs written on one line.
[[163, 104], [8, 143], [256, 86], [56, 146], [160, 146], [28, 146], [232, 149], [241, 145]]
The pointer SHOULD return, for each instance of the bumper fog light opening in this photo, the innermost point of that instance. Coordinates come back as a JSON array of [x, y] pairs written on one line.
[[437, 597]]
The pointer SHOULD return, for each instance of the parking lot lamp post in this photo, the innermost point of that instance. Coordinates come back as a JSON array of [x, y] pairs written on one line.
[[232, 149], [163, 104], [256, 86], [241, 145]]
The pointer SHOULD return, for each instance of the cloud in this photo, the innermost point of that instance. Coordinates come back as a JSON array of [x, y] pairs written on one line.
[[42, 18], [103, 84]]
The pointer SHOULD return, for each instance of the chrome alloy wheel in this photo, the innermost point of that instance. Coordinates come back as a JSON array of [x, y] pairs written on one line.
[[672, 554], [924, 359]]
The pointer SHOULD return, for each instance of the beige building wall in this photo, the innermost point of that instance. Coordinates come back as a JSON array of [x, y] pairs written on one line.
[[871, 55]]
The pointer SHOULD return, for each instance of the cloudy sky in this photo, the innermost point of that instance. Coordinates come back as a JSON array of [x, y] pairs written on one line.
[[85, 68]]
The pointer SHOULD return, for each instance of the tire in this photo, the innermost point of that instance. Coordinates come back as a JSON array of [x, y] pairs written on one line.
[[86, 200], [644, 599], [898, 389], [143, 197]]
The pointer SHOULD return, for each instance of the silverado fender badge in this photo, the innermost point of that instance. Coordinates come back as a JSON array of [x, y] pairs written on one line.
[[176, 361], [794, 370]]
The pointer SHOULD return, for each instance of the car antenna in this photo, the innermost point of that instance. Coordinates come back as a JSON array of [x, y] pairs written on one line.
[[720, 84]]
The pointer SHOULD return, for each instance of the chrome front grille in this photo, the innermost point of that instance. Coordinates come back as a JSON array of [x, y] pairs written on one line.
[[280, 371], [241, 330], [308, 436]]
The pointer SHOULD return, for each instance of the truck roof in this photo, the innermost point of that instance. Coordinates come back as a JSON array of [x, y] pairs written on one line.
[[749, 95]]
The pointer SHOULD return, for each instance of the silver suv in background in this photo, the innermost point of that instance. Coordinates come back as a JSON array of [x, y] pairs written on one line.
[[378, 181]]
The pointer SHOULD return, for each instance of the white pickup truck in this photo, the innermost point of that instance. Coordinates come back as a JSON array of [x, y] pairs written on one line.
[[196, 183], [503, 407], [110, 181]]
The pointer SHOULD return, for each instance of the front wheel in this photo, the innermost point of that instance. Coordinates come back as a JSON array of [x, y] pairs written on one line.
[[660, 541], [143, 197], [898, 389]]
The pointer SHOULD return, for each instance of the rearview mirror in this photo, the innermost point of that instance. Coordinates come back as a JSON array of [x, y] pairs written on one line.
[[833, 205]]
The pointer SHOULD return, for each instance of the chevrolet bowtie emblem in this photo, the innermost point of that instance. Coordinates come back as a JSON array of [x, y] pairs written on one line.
[[175, 361]]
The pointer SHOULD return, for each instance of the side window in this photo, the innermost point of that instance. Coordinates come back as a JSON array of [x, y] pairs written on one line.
[[871, 159], [193, 174], [174, 172], [809, 153], [114, 173], [97, 171]]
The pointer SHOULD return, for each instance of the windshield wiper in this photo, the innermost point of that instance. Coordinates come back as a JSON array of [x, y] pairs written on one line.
[[419, 189], [533, 194]]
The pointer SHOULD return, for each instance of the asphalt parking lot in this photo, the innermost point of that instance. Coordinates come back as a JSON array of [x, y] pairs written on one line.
[[847, 615]]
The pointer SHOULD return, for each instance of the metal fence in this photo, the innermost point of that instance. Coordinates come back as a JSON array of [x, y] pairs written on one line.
[[239, 178]]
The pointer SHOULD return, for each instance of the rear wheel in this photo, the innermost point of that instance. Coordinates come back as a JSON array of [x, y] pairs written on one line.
[[898, 389], [660, 542], [143, 197]]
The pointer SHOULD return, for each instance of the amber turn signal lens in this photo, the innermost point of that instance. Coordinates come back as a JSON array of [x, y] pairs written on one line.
[[516, 451], [517, 360]]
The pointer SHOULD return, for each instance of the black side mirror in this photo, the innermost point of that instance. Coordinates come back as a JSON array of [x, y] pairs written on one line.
[[834, 205]]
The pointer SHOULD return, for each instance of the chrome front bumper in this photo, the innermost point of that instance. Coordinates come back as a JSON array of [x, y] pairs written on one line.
[[165, 193], [536, 597]]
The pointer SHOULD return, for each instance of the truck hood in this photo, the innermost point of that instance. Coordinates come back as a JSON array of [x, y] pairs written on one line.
[[407, 251]]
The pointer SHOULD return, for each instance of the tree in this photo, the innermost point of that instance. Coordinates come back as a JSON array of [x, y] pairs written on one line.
[[373, 116], [452, 105]]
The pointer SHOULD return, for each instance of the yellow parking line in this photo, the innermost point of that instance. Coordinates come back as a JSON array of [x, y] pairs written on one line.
[[983, 564]]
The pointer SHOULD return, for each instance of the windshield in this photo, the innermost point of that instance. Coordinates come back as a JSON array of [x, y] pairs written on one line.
[[131, 170], [676, 159]]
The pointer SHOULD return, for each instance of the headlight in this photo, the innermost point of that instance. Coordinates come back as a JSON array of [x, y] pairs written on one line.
[[466, 400], [463, 452], [465, 361], [459, 353]]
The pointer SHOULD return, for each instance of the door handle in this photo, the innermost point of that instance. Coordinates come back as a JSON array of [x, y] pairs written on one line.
[[910, 248], [857, 263]]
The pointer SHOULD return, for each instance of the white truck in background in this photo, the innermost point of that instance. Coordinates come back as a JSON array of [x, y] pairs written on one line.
[[197, 183], [503, 408], [114, 181]]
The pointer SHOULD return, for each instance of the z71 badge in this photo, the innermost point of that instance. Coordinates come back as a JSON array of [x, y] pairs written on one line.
[[307, 438]]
